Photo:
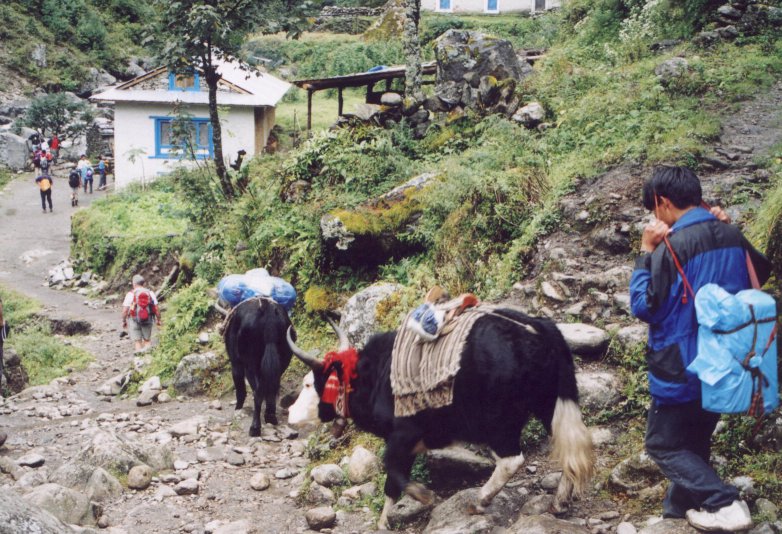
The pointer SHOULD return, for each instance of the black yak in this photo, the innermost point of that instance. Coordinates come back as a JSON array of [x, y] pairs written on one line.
[[256, 345], [512, 367]]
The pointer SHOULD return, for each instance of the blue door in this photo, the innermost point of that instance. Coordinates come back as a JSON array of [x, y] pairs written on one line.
[[445, 5], [492, 5]]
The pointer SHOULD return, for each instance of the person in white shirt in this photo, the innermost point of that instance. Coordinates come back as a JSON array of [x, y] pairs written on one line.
[[140, 306]]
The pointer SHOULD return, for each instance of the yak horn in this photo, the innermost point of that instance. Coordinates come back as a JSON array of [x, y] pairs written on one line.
[[344, 344], [309, 358], [219, 308]]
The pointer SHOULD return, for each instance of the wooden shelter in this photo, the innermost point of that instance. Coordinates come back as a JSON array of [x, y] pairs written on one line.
[[361, 79]]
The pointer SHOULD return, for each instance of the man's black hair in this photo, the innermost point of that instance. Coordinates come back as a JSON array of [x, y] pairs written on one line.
[[678, 184]]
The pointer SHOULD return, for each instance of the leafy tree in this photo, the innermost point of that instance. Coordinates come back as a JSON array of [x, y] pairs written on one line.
[[200, 34], [56, 113]]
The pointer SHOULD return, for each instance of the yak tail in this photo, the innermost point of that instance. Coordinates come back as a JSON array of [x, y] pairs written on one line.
[[271, 366], [570, 439]]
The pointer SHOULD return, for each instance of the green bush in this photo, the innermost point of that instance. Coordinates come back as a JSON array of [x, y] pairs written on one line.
[[44, 356], [122, 233]]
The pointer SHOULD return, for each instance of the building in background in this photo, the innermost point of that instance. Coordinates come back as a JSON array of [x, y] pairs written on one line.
[[148, 140]]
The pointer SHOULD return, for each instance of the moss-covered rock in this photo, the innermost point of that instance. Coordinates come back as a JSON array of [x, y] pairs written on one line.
[[390, 24], [373, 232]]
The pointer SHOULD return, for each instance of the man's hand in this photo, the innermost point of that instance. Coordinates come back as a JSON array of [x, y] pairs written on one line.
[[720, 213], [653, 235]]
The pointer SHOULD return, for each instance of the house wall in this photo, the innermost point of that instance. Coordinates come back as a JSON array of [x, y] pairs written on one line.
[[134, 131], [479, 6]]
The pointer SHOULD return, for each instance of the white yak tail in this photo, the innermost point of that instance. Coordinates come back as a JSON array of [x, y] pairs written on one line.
[[572, 449]]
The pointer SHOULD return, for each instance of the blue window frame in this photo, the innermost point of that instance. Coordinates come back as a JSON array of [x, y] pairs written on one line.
[[167, 147], [492, 6], [444, 5], [184, 82]]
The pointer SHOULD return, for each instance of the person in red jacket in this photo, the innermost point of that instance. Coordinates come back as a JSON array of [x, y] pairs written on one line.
[[54, 148]]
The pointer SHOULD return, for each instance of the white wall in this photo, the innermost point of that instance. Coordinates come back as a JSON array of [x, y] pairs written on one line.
[[479, 6], [134, 129]]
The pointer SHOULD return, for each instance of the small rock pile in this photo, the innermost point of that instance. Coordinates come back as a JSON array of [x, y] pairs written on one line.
[[747, 17]]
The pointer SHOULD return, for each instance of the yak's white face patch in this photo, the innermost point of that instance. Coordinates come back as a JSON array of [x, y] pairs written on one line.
[[305, 409]]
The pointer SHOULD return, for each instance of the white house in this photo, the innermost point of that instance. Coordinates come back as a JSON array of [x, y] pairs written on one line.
[[488, 6], [144, 113]]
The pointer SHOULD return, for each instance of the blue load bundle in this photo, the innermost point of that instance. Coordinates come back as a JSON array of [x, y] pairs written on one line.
[[733, 327], [236, 288]]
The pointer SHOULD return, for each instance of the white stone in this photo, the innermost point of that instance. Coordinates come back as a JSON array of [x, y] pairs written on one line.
[[363, 465], [584, 339]]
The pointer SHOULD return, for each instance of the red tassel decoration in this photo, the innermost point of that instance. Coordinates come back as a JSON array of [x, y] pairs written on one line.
[[331, 389]]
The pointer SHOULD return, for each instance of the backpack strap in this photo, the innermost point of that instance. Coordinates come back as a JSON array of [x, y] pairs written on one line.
[[687, 286]]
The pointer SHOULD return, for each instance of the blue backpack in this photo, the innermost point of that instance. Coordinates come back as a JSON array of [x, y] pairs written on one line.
[[737, 350]]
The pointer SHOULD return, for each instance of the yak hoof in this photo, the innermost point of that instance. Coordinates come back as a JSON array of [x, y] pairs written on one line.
[[271, 419], [255, 432], [420, 493]]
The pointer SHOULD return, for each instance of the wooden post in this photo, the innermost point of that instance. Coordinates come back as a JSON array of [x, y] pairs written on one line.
[[309, 110], [340, 102]]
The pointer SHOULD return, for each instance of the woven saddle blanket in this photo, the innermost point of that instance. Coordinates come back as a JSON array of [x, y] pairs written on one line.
[[422, 373]]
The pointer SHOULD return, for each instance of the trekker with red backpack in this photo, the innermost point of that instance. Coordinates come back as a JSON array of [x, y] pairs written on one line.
[[140, 307], [686, 248]]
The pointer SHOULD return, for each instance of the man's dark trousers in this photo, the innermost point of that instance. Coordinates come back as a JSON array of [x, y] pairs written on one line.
[[678, 439], [46, 195]]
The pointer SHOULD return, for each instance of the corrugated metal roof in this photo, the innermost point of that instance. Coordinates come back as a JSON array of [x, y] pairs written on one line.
[[264, 89], [361, 78], [186, 97]]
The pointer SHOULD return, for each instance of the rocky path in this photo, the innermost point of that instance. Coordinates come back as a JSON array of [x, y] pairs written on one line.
[[69, 429]]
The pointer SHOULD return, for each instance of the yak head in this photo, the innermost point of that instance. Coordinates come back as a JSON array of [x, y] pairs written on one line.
[[317, 400]]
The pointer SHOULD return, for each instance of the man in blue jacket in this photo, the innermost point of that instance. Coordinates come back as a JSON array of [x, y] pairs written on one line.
[[678, 436]]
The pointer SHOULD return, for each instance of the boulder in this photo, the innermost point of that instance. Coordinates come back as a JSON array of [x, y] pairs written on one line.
[[585, 340], [545, 524], [390, 24], [453, 517], [597, 390], [467, 59], [260, 481], [530, 115], [114, 385], [370, 234], [15, 108], [391, 99], [405, 511], [672, 69], [670, 526], [95, 80], [19, 515], [14, 153], [363, 465], [359, 315], [139, 477], [317, 494], [119, 453], [319, 518], [328, 475], [194, 370], [65, 504], [634, 474], [456, 467], [102, 486]]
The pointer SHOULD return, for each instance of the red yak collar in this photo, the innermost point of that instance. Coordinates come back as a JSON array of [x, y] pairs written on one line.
[[337, 387]]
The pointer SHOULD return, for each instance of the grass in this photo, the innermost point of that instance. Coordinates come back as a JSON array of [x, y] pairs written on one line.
[[44, 356], [292, 113], [124, 231], [5, 177]]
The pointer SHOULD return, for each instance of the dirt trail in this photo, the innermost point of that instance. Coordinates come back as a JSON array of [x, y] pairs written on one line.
[[31, 242]]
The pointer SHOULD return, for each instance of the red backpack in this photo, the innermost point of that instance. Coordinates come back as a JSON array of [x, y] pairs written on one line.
[[143, 309]]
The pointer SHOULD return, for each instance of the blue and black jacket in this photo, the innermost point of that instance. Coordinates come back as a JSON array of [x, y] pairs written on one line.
[[709, 251]]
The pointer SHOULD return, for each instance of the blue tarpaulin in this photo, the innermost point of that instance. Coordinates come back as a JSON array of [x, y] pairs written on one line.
[[725, 338], [236, 288]]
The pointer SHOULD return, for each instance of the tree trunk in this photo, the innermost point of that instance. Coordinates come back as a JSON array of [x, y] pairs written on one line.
[[217, 135], [412, 50]]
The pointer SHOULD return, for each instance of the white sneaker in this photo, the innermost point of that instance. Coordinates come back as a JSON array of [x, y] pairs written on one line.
[[731, 518]]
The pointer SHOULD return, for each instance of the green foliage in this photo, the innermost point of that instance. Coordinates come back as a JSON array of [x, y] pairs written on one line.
[[520, 29], [44, 355], [183, 316], [321, 55], [766, 227], [136, 227], [57, 114]]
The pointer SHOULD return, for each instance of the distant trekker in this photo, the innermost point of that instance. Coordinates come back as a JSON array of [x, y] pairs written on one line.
[[74, 182], [140, 306], [44, 183], [101, 173]]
